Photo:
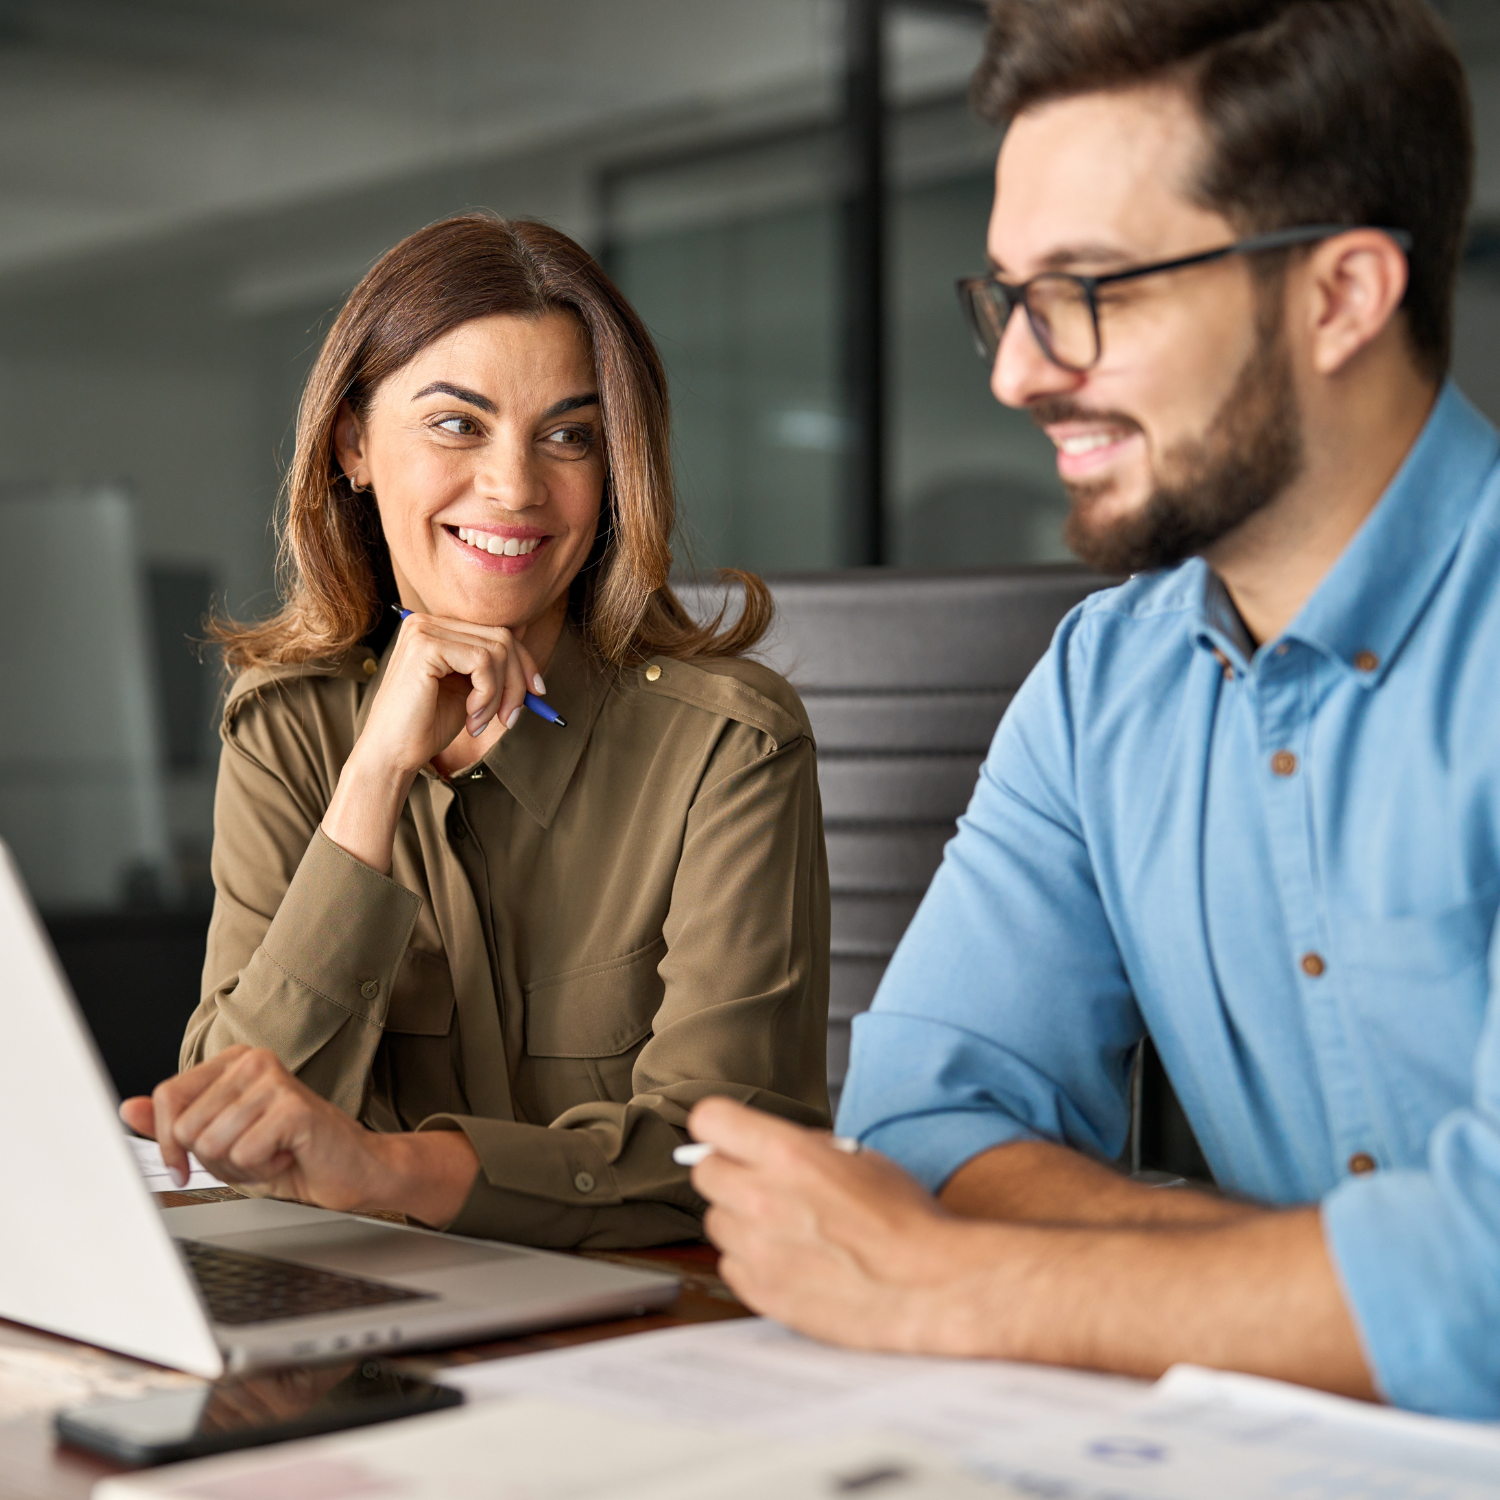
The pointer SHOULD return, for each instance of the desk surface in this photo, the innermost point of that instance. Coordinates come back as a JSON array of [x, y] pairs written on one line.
[[34, 1467]]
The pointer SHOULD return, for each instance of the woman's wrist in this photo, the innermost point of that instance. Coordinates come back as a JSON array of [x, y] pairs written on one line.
[[427, 1175], [365, 808]]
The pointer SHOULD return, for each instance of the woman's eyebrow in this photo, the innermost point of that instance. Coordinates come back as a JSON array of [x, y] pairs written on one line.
[[442, 388], [571, 403]]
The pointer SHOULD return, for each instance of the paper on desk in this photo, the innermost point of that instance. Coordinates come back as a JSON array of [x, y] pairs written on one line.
[[154, 1170], [1061, 1433], [529, 1449]]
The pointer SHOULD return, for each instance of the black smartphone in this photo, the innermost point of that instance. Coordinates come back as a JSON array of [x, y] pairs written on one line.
[[243, 1411]]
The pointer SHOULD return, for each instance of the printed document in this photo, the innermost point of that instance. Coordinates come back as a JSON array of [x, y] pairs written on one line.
[[1060, 1433], [529, 1449]]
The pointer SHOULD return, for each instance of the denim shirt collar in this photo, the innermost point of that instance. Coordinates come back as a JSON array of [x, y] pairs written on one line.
[[1364, 609]]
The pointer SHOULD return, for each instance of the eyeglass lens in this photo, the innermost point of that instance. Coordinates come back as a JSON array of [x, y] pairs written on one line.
[[1059, 311]]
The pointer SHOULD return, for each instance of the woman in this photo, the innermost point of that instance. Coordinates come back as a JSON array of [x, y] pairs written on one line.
[[465, 963]]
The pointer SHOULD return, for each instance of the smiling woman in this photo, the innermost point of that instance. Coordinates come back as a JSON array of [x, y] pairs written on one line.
[[466, 964]]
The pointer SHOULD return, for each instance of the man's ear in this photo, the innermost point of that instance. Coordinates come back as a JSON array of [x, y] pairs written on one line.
[[349, 445], [1356, 281]]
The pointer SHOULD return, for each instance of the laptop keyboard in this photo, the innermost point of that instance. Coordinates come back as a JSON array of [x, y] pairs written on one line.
[[241, 1288]]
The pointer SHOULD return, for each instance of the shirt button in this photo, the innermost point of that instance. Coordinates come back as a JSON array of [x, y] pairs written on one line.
[[1367, 661], [1282, 649], [1284, 763], [456, 831], [371, 666], [370, 988], [1361, 1163], [1313, 965], [584, 1182], [653, 672]]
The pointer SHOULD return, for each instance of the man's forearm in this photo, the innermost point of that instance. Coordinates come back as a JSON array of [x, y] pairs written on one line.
[[1258, 1294], [1040, 1183]]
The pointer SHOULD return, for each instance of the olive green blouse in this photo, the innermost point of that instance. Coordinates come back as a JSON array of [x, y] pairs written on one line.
[[580, 937]]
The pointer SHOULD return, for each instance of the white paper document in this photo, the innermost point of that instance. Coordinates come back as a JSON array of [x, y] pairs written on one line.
[[1060, 1433], [158, 1179], [528, 1449]]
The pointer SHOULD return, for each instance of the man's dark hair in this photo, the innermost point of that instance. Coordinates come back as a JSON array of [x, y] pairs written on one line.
[[1317, 112]]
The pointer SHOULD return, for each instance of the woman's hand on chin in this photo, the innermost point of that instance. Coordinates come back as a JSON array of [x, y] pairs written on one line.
[[255, 1126], [445, 681]]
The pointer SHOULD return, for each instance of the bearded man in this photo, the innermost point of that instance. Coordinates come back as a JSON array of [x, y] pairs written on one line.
[[1249, 802]]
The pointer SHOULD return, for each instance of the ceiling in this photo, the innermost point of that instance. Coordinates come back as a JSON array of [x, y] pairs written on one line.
[[128, 119]]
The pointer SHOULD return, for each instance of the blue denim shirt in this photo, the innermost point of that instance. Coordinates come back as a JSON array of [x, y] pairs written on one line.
[[1283, 864]]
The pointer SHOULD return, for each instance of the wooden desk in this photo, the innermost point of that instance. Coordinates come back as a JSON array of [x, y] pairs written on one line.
[[34, 1467]]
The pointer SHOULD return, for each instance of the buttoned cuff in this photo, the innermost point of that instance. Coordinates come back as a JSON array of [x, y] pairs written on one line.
[[342, 929], [554, 1189]]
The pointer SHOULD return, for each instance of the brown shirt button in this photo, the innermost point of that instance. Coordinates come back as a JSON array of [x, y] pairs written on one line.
[[1367, 661], [584, 1181], [371, 666], [370, 989], [1284, 763], [1313, 965], [1361, 1162]]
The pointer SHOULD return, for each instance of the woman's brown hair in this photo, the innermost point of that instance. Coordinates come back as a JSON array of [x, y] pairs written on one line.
[[335, 571]]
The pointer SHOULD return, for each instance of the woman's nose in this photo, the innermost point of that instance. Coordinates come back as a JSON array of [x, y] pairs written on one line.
[[510, 479]]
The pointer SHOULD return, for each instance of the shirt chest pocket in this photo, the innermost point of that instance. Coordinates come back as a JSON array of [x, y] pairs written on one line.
[[422, 998], [602, 1010], [1434, 945]]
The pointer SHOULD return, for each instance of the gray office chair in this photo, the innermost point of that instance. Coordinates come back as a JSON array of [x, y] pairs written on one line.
[[905, 676]]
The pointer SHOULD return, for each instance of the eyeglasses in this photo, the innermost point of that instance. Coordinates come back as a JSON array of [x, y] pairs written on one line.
[[1063, 309]]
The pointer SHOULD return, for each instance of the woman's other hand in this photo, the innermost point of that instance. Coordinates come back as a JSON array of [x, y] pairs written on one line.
[[446, 681], [255, 1126]]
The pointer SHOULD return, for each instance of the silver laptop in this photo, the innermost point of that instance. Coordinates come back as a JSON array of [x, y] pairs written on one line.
[[86, 1252]]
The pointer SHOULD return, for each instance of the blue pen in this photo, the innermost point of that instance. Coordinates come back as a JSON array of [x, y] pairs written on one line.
[[539, 706]]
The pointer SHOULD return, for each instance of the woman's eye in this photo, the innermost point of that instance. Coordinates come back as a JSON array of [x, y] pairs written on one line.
[[459, 426], [578, 439]]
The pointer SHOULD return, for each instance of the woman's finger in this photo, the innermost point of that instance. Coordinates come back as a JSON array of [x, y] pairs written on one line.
[[516, 686], [172, 1097]]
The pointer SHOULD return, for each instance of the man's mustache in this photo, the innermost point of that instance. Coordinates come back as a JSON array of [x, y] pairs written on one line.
[[1054, 409]]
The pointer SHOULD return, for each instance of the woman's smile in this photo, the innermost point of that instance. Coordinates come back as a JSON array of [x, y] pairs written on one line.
[[499, 549]]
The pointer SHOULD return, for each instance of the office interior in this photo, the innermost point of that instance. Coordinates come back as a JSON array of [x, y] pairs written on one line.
[[786, 190]]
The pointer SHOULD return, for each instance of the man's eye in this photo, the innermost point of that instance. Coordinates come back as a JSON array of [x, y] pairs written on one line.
[[460, 426]]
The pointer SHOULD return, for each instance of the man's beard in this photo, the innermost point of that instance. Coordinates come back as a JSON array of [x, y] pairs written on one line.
[[1251, 452]]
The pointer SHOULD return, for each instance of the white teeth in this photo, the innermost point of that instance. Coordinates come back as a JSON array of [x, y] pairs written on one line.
[[1087, 442], [498, 546]]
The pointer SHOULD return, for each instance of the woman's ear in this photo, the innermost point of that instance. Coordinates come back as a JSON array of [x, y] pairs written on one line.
[[349, 447]]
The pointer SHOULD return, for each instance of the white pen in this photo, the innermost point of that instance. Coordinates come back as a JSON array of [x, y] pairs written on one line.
[[690, 1155]]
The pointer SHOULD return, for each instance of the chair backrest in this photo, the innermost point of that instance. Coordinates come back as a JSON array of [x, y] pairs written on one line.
[[905, 676]]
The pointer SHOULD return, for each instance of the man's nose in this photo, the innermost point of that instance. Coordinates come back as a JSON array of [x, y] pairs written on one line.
[[1022, 372]]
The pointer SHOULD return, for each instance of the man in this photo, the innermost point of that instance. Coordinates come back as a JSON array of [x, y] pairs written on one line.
[[1249, 802]]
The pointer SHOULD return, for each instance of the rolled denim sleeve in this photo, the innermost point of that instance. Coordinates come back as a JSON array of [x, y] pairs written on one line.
[[1418, 1254], [1005, 1013]]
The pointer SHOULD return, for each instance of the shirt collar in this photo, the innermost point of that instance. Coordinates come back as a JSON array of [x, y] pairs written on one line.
[[1363, 610], [535, 761]]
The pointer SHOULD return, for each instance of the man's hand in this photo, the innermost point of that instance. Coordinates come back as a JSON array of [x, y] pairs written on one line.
[[850, 1249], [254, 1125], [846, 1248]]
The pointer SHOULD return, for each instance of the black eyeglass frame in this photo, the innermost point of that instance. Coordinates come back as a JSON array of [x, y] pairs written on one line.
[[969, 288]]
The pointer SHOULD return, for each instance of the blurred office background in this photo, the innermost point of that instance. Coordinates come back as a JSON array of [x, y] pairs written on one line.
[[786, 189]]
